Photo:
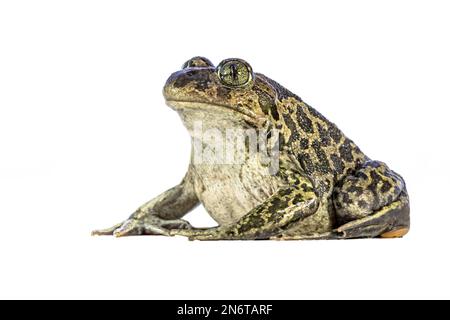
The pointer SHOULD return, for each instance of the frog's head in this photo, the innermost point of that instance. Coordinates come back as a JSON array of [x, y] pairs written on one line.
[[229, 92]]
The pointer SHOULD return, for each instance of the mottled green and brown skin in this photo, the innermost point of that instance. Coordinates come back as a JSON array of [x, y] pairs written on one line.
[[325, 188]]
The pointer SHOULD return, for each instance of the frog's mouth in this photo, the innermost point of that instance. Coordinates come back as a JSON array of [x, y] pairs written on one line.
[[238, 113]]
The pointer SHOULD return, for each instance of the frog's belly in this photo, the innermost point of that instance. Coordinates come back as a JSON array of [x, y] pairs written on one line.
[[229, 191]]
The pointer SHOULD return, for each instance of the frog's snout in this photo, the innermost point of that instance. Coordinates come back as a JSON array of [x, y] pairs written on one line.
[[168, 90], [175, 84], [188, 83]]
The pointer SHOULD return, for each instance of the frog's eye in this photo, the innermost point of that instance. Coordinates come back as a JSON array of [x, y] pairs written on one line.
[[196, 62], [235, 72]]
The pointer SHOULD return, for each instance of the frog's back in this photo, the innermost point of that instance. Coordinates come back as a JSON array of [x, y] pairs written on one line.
[[321, 150]]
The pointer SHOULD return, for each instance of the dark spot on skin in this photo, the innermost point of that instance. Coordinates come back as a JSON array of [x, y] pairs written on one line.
[[362, 175], [324, 138], [306, 163], [267, 104], [274, 113], [254, 222], [264, 101], [363, 204], [334, 133], [385, 187], [297, 199], [346, 198], [323, 165], [323, 186], [275, 218], [284, 192], [292, 127], [372, 187], [355, 189], [389, 199], [280, 141], [345, 151], [306, 188], [304, 143], [337, 163], [275, 205], [375, 177], [373, 164], [304, 122]]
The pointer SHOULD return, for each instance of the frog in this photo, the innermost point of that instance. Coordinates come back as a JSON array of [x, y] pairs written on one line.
[[324, 187]]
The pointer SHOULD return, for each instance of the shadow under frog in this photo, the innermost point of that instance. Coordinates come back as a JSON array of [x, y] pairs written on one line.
[[325, 186]]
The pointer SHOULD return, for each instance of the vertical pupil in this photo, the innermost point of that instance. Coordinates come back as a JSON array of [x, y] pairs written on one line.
[[233, 71]]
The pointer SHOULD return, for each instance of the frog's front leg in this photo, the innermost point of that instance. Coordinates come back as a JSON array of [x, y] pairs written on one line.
[[159, 215], [268, 219]]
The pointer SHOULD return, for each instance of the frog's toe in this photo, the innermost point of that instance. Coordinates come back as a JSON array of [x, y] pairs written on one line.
[[107, 231], [133, 227]]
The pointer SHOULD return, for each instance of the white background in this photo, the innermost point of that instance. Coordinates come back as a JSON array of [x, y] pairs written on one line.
[[85, 138]]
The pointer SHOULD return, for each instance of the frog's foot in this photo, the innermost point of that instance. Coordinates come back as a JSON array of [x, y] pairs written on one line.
[[391, 221], [149, 225]]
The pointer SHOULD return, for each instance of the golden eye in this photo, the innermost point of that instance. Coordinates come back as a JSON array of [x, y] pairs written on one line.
[[235, 73]]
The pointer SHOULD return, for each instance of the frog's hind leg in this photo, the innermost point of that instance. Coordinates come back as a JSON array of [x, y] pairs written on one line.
[[372, 203], [391, 221]]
